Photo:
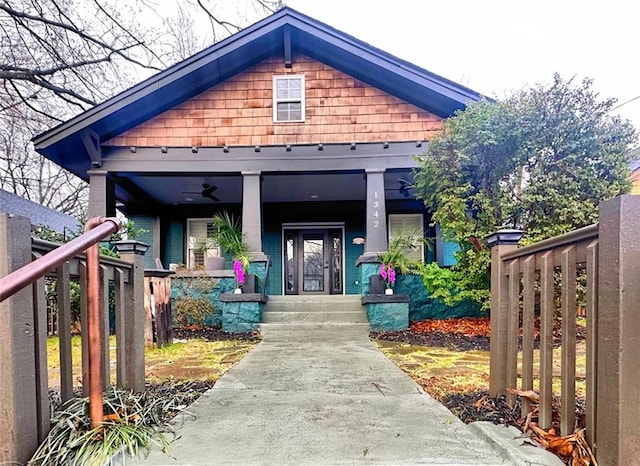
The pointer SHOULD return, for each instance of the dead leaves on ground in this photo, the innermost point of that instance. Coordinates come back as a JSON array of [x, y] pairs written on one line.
[[469, 326], [573, 449]]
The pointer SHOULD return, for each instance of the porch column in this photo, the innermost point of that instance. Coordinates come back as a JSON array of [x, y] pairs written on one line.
[[101, 195], [252, 212], [376, 228]]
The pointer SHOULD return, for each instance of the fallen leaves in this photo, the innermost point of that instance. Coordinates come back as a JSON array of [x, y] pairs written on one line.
[[468, 326], [573, 449], [528, 394]]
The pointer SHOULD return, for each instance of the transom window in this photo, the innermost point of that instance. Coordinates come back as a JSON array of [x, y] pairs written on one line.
[[198, 246], [288, 98], [408, 225]]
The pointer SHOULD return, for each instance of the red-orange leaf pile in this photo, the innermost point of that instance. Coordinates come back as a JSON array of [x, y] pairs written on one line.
[[469, 326]]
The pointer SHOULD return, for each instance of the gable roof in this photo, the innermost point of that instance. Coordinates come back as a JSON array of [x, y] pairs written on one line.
[[38, 214], [284, 33]]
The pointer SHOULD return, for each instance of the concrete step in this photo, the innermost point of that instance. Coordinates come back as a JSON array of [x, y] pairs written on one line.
[[314, 316], [314, 303], [314, 309], [277, 330]]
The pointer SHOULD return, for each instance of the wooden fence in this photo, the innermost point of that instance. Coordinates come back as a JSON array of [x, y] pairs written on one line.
[[522, 284], [24, 383]]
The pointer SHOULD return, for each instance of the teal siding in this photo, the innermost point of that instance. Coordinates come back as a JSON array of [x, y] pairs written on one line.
[[352, 252], [145, 223], [272, 245], [174, 243], [449, 250], [445, 250]]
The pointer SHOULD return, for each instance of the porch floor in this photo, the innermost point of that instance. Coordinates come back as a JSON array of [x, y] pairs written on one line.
[[323, 394]]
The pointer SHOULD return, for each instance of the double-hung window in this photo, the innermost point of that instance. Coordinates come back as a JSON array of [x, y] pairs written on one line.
[[288, 98], [198, 246], [408, 225]]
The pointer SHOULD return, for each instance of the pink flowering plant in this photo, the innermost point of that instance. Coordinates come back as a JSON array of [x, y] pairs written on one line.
[[238, 270], [396, 259], [388, 274]]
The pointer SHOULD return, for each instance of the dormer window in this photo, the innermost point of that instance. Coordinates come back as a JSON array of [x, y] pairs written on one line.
[[288, 98]]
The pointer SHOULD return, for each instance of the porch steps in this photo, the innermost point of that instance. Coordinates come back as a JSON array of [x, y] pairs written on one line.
[[329, 309]]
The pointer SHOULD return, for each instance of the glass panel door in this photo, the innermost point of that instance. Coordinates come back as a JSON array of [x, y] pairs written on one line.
[[313, 262], [290, 264], [336, 261]]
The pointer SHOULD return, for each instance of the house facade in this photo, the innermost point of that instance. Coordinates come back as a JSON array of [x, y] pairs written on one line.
[[306, 133]]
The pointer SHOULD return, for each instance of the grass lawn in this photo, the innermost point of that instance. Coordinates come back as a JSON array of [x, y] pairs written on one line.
[[196, 359], [442, 371]]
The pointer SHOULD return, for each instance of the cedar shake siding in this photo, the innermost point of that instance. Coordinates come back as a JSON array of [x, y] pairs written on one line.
[[239, 111]]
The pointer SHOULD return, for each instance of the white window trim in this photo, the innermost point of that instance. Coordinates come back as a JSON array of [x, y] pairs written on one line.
[[301, 100], [419, 246], [192, 248]]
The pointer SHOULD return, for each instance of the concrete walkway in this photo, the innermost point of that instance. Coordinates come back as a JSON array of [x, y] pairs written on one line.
[[326, 395]]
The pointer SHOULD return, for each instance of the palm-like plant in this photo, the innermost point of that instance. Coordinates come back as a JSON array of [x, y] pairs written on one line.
[[227, 233], [397, 254]]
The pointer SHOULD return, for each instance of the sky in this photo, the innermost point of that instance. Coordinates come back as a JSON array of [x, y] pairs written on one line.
[[498, 46]]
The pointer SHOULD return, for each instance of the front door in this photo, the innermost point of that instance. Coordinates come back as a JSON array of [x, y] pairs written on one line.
[[313, 261]]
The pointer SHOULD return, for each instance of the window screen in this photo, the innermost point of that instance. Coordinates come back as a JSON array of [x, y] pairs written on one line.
[[288, 98]]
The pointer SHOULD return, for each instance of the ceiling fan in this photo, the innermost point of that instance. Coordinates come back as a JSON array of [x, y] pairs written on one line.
[[207, 192], [403, 188]]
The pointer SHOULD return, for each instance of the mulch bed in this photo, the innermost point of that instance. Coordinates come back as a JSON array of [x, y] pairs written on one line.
[[454, 341], [465, 334], [212, 334]]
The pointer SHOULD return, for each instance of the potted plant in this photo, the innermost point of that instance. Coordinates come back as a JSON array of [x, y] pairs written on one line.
[[396, 259], [227, 234], [388, 274]]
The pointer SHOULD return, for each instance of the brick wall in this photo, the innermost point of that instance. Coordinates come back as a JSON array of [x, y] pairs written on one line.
[[239, 111]]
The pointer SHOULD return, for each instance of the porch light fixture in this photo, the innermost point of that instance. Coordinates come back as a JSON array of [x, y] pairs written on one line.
[[164, 149], [505, 236], [418, 143], [225, 148], [385, 145], [320, 147], [287, 147], [257, 148], [353, 146], [313, 196], [194, 150], [357, 240], [128, 246], [133, 149]]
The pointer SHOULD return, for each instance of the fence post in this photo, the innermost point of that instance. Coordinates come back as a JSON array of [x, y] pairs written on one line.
[[500, 242], [135, 320], [618, 364], [18, 394]]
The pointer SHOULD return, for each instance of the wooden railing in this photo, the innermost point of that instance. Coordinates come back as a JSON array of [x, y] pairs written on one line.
[[533, 280], [24, 382]]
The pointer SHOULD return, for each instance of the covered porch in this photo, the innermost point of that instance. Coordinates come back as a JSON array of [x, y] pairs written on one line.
[[344, 190]]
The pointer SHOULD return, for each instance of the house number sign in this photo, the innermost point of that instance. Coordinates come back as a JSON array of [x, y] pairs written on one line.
[[376, 212]]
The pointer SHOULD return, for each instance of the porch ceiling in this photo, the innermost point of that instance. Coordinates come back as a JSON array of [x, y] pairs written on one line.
[[276, 187]]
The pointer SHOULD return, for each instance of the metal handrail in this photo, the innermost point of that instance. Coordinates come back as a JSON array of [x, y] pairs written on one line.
[[96, 229], [17, 280]]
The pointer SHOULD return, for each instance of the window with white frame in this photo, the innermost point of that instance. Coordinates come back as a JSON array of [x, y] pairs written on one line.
[[408, 225], [288, 98], [198, 246]]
